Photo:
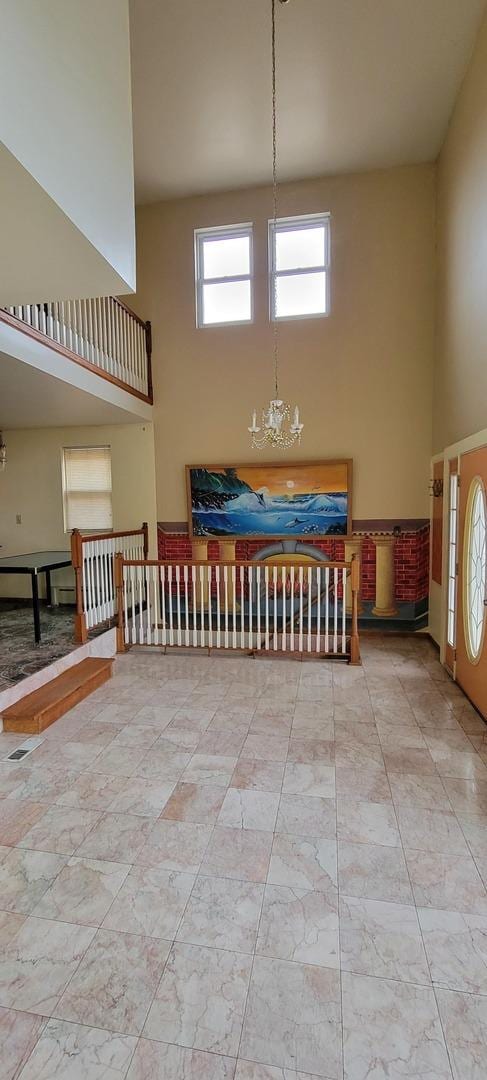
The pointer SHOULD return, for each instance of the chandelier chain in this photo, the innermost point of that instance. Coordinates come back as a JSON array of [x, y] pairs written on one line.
[[274, 185], [279, 430]]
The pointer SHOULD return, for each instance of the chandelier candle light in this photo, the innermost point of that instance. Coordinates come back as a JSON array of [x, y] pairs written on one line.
[[276, 429]]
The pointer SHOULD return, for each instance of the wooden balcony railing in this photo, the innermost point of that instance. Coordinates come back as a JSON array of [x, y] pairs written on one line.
[[93, 563], [251, 606], [102, 334]]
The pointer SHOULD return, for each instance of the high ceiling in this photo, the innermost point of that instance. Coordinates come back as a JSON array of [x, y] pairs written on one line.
[[362, 84]]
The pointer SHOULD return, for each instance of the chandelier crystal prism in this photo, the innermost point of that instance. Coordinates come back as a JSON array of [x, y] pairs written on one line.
[[275, 428]]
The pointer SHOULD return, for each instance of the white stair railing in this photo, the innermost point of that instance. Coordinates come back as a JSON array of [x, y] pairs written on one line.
[[101, 331], [93, 558], [251, 606]]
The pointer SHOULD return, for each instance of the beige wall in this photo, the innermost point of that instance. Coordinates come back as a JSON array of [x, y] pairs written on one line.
[[66, 129], [32, 487], [460, 399], [362, 377]]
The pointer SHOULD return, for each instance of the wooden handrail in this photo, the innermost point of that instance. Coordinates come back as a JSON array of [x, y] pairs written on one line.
[[129, 310], [238, 562], [90, 537]]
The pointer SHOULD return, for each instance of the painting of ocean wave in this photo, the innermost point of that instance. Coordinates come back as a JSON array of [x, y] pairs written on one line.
[[270, 500]]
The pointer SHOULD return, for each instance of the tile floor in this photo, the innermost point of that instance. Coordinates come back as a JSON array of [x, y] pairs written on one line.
[[235, 869]]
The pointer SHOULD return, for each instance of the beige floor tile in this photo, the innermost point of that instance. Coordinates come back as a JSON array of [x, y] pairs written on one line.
[[115, 983], [222, 914], [83, 892], [391, 1029], [25, 876], [300, 925], [456, 947], [200, 803], [242, 854], [382, 939], [201, 999], [464, 1019], [451, 882], [374, 872], [60, 830], [307, 815], [69, 1050], [309, 779], [39, 961], [257, 775], [293, 1018], [248, 809], [431, 830], [175, 845], [17, 816], [367, 822], [211, 769], [304, 863], [151, 901], [163, 1061], [19, 1032], [118, 837]]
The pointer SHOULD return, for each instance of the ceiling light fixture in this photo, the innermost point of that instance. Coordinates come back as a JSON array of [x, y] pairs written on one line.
[[3, 453], [276, 429]]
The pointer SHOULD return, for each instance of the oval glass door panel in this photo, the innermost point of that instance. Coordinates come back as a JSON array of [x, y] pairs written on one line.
[[474, 569]]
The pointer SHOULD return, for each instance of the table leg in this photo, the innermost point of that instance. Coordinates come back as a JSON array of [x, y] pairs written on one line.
[[35, 607], [48, 588]]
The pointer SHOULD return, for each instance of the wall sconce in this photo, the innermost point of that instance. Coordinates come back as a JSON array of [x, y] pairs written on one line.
[[436, 487], [3, 453]]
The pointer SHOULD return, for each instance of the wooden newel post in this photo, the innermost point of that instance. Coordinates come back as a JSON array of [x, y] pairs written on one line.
[[119, 594], [80, 631], [355, 586], [145, 530]]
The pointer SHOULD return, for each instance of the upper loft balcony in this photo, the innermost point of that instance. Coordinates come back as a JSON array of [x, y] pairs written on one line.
[[98, 351]]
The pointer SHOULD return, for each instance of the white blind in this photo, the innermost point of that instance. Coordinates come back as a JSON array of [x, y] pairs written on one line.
[[87, 488]]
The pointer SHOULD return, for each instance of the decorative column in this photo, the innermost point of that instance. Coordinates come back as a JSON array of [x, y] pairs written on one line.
[[384, 577], [228, 554], [352, 547], [199, 548]]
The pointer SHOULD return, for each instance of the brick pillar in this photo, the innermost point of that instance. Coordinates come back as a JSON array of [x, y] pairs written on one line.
[[352, 547], [384, 577]]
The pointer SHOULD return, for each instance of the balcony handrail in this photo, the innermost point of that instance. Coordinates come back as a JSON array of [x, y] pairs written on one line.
[[258, 606], [101, 334]]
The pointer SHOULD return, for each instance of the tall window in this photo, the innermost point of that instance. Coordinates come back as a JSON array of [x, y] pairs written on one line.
[[87, 488], [452, 559], [223, 258], [299, 262]]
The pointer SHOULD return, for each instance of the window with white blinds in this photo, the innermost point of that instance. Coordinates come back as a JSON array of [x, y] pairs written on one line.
[[87, 488]]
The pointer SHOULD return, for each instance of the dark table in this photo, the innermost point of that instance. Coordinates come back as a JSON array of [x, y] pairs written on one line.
[[35, 563]]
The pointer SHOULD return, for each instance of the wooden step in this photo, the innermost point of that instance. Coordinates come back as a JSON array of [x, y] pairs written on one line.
[[35, 712]]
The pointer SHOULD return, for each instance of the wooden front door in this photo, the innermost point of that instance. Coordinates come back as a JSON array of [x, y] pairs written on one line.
[[471, 658]]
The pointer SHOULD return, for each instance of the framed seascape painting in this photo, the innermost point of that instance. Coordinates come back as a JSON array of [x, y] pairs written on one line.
[[279, 500]]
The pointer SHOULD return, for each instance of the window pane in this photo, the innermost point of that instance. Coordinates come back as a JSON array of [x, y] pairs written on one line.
[[226, 257], [300, 294], [300, 248], [226, 302]]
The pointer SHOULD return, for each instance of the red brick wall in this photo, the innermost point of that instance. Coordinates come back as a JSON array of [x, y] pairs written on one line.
[[411, 558]]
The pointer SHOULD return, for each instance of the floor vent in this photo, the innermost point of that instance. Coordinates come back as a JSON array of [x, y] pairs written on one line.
[[18, 754], [25, 748]]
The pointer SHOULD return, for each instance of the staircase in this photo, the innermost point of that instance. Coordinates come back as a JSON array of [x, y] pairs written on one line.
[[35, 712]]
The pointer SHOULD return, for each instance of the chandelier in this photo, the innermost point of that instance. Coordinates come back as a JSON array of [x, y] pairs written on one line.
[[3, 453], [275, 428]]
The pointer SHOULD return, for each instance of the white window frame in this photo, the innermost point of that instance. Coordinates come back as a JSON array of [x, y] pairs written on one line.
[[222, 232], [67, 529], [292, 224]]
